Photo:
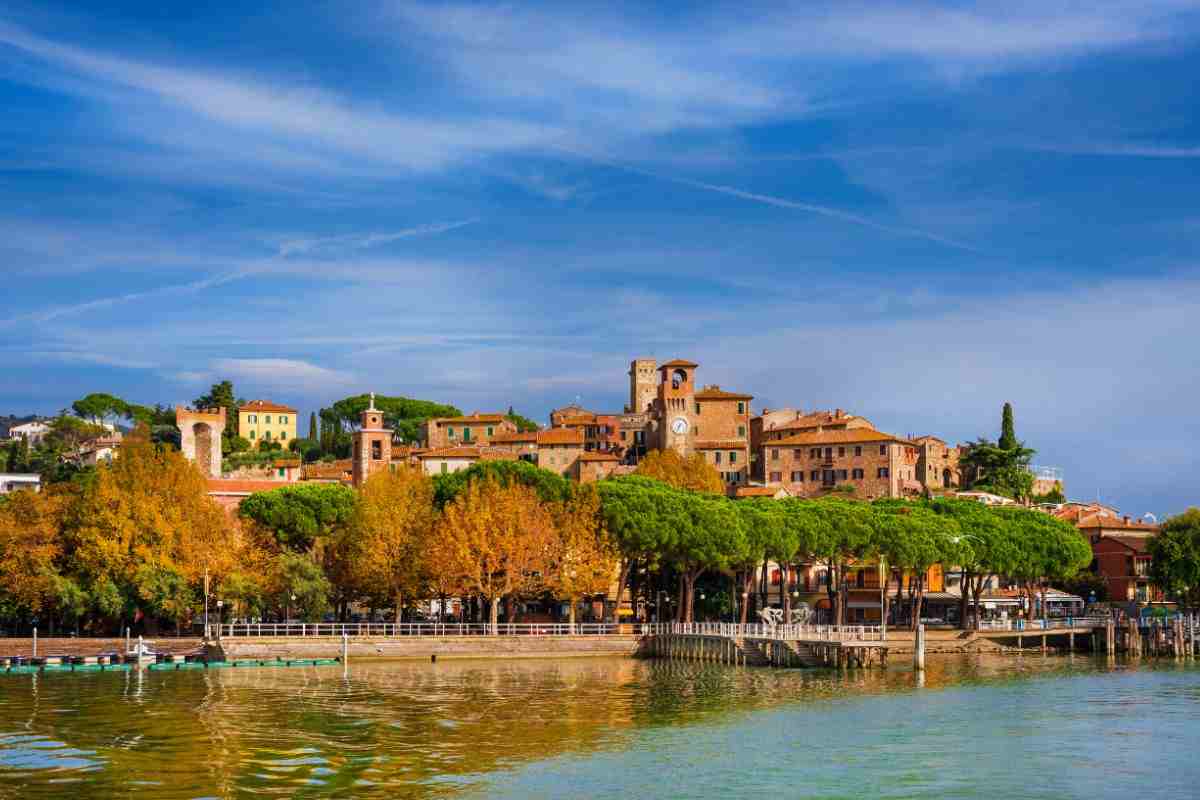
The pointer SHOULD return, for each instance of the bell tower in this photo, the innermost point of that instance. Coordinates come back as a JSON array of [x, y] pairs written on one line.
[[643, 384], [372, 444], [677, 402]]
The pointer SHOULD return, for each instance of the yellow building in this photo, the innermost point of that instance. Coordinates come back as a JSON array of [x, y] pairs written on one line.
[[262, 420]]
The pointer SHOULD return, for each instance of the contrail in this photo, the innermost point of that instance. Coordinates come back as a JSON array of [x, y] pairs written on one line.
[[781, 202]]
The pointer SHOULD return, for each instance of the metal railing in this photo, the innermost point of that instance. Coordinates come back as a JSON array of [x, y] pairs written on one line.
[[390, 630], [830, 633], [1041, 625]]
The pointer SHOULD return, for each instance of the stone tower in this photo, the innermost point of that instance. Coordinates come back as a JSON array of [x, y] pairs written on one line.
[[676, 406], [372, 445], [200, 437], [643, 384]]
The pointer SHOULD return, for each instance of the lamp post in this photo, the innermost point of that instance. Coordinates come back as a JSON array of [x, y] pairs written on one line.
[[220, 616]]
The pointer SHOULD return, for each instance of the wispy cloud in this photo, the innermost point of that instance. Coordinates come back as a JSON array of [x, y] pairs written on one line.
[[282, 374], [1122, 149]]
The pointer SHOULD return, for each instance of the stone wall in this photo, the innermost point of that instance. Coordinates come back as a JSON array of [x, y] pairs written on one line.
[[425, 647]]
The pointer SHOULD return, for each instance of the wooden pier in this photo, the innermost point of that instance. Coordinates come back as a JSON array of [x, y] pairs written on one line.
[[767, 645]]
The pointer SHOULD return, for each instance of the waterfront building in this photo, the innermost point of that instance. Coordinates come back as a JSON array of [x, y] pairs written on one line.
[[1120, 550], [265, 421], [13, 481], [862, 462]]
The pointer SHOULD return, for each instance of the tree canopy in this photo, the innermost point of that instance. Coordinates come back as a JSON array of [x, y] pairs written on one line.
[[1175, 565]]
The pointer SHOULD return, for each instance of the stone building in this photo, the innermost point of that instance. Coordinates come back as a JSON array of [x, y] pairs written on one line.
[[558, 449], [474, 429], [863, 462], [601, 432], [445, 460], [200, 437], [595, 465], [937, 463], [522, 444], [372, 448]]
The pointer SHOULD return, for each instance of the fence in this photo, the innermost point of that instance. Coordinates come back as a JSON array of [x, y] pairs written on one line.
[[388, 630], [789, 633], [1053, 623]]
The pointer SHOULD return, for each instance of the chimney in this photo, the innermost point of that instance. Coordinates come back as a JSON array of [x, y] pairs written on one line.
[[1126, 520]]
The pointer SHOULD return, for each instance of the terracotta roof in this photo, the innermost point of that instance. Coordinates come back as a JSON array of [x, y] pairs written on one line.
[[514, 438], [328, 469], [847, 436], [929, 438], [679, 362], [560, 436], [1105, 522], [816, 420], [717, 393], [579, 419], [476, 417], [286, 461], [452, 452], [759, 491], [238, 486], [728, 444], [598, 456], [266, 405]]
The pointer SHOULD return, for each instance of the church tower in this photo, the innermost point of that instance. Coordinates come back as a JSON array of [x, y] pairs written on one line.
[[676, 406], [372, 444]]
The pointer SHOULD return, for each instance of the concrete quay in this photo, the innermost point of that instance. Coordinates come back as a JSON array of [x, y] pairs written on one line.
[[427, 647]]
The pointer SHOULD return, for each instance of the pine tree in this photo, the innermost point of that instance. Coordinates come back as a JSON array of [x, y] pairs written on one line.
[[1008, 432]]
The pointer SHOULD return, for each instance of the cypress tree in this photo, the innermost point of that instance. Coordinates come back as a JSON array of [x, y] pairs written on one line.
[[313, 433], [1008, 431]]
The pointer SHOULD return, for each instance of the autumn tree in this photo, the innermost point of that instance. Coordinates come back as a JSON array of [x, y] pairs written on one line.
[[692, 472], [30, 548], [585, 556], [498, 541], [392, 526]]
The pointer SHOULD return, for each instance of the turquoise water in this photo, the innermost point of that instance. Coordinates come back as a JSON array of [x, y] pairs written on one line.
[[980, 727]]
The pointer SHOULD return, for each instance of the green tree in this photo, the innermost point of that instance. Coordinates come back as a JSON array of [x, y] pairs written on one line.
[[221, 395], [313, 431], [298, 587], [402, 414], [524, 424], [1175, 553], [549, 486], [1008, 430], [99, 408], [299, 516]]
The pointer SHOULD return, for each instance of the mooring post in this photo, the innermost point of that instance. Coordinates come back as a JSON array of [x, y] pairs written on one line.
[[345, 647], [919, 648], [126, 638], [35, 641]]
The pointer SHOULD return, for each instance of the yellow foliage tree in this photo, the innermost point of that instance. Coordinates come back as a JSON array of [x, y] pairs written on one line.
[[148, 515], [497, 541], [392, 527], [586, 557], [692, 473], [30, 545]]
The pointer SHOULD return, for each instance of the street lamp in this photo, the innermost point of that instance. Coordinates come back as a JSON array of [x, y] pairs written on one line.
[[220, 616]]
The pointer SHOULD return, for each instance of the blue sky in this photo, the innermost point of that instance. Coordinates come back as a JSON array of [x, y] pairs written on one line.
[[912, 211]]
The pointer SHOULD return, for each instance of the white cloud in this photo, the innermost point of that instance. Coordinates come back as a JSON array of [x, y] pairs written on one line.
[[281, 374], [360, 241]]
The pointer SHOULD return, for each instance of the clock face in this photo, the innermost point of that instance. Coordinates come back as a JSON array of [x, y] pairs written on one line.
[[679, 426]]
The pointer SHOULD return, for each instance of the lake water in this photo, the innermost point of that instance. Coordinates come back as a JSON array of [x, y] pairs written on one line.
[[979, 727]]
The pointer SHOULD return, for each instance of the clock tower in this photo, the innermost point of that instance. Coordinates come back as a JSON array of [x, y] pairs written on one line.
[[676, 405]]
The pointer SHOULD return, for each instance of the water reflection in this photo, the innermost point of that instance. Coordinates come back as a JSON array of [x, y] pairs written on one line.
[[420, 730]]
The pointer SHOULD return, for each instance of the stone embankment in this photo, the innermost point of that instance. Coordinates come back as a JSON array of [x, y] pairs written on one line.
[[426, 647], [79, 646]]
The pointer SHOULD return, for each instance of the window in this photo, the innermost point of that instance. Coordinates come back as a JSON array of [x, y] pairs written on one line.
[[741, 407], [814, 453], [797, 454], [490, 431], [829, 452], [283, 420], [815, 475], [857, 475], [842, 474], [697, 408], [376, 450], [282, 472], [267, 436], [798, 476], [827, 477], [776, 477], [623, 436], [450, 433], [741, 431], [283, 436], [858, 450], [732, 457], [443, 468], [717, 457], [883, 449], [841, 452], [252, 418], [882, 473], [251, 434], [860, 579], [466, 434], [774, 453], [267, 419]]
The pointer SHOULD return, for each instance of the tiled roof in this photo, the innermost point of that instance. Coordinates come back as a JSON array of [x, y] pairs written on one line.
[[520, 437], [598, 456], [452, 452], [847, 436], [718, 444], [285, 461], [578, 419], [679, 362], [717, 393], [476, 417], [328, 469], [817, 420], [238, 486], [560, 436], [759, 491], [1105, 522], [266, 405]]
